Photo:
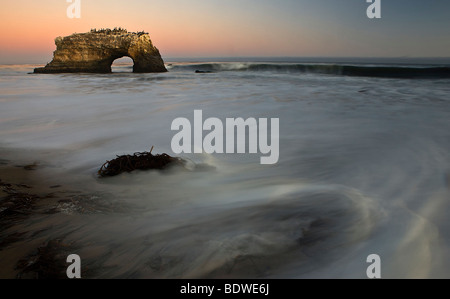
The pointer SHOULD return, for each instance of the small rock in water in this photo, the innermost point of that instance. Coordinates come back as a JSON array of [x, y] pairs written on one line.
[[202, 72]]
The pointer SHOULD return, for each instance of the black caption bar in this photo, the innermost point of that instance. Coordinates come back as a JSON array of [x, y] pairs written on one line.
[[177, 288]]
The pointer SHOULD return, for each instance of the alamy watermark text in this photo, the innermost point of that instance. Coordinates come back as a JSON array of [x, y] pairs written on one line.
[[229, 138]]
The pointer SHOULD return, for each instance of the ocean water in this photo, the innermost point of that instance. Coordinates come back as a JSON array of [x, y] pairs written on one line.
[[364, 168]]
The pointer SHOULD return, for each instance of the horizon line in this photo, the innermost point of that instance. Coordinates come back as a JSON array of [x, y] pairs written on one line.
[[262, 58]]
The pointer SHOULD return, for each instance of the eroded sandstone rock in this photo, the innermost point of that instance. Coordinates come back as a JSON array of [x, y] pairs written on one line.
[[95, 51]]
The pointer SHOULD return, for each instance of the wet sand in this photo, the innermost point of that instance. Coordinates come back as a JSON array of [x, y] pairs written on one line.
[[32, 205]]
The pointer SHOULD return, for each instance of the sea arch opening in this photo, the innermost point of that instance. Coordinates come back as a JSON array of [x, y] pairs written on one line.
[[124, 64]]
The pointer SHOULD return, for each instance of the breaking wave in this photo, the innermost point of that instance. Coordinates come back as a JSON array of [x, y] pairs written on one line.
[[381, 71]]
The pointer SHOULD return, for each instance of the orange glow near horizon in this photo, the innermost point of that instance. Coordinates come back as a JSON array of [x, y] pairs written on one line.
[[176, 29]]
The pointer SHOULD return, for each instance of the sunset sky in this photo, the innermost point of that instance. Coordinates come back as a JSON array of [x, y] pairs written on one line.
[[230, 28]]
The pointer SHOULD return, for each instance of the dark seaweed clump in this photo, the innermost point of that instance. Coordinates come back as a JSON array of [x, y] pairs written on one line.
[[138, 161]]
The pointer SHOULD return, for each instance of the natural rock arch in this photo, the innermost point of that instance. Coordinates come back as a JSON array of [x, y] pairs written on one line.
[[95, 51]]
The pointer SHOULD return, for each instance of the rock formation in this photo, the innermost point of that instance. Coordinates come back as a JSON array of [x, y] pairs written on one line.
[[95, 51]]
